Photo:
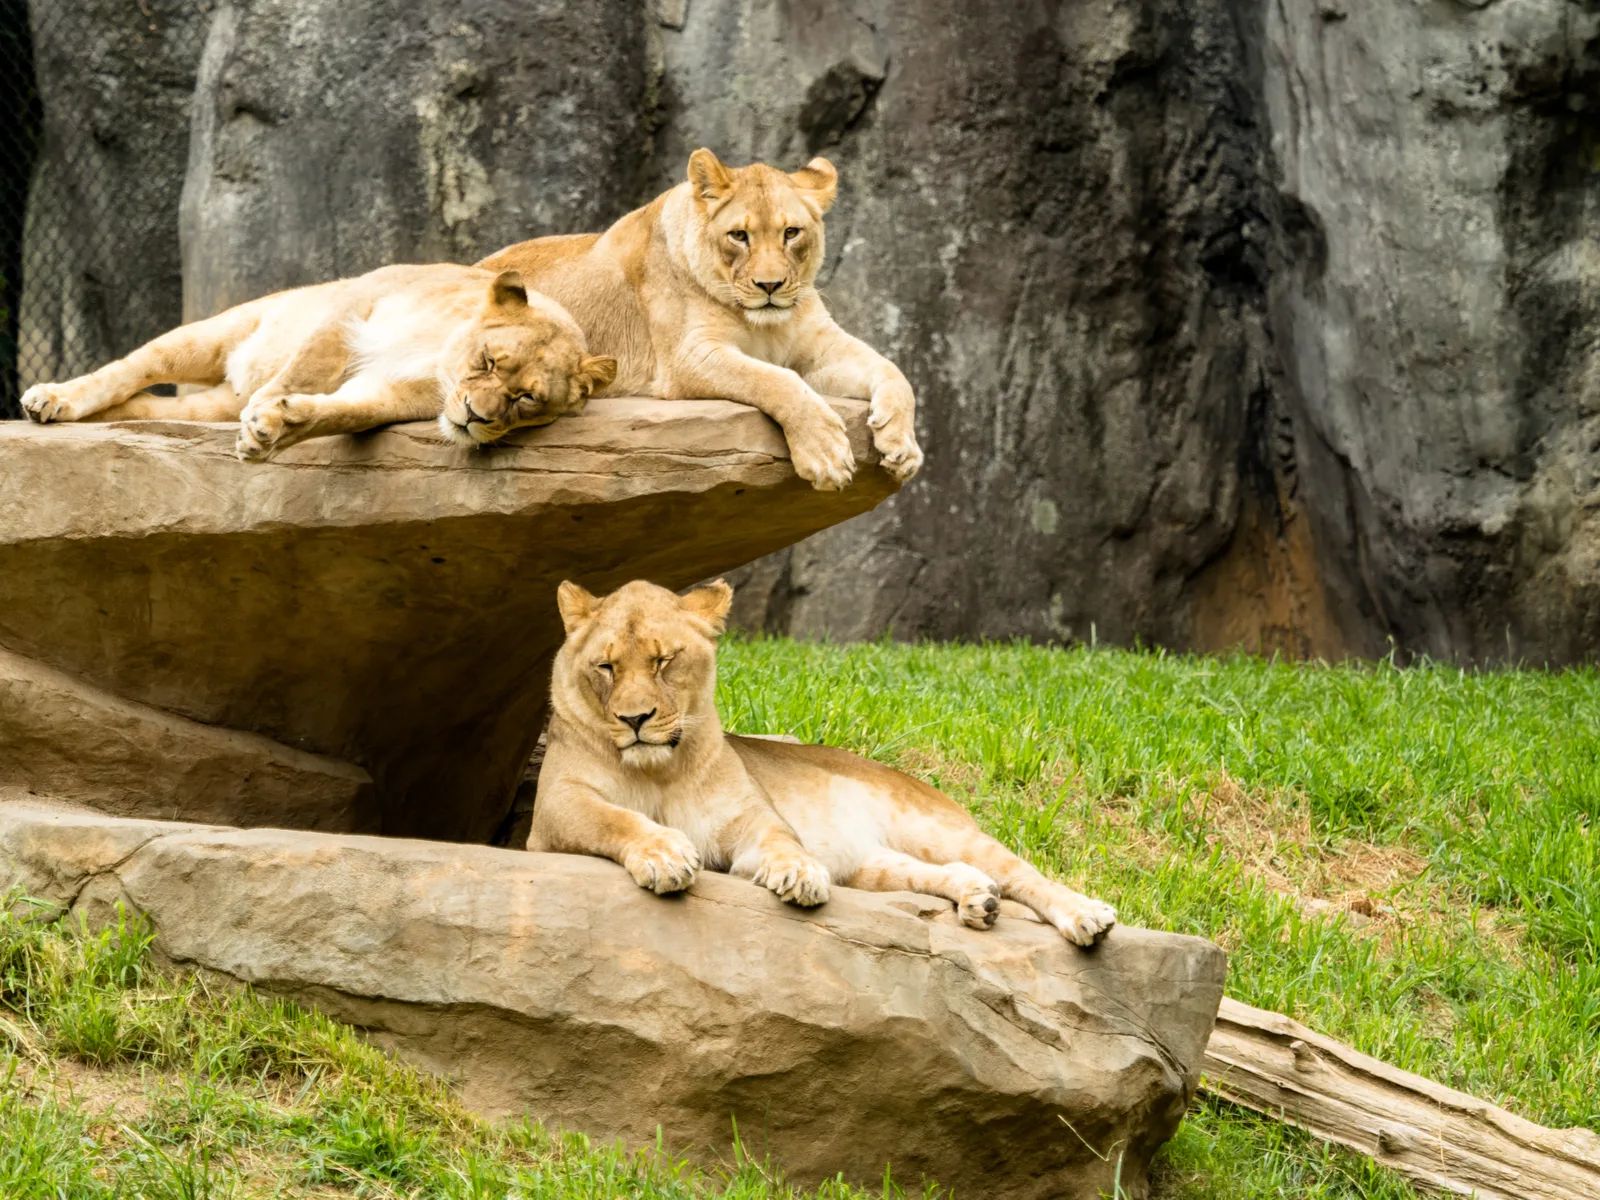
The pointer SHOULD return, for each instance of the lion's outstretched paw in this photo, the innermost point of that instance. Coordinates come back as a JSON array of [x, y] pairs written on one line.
[[820, 450], [979, 905], [1081, 919], [797, 878], [268, 426], [666, 862], [47, 402]]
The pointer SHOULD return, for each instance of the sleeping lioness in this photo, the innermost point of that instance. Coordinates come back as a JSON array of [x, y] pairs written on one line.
[[709, 290], [472, 347], [638, 770]]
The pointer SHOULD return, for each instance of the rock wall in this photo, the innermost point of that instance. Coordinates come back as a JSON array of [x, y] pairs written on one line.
[[100, 270], [334, 136], [1232, 321]]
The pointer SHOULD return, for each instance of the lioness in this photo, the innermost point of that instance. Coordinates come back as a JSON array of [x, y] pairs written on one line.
[[709, 290], [637, 769], [471, 346]]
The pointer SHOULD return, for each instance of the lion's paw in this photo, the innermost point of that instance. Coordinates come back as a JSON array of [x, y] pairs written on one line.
[[979, 905], [47, 402], [892, 419], [268, 426], [666, 862], [797, 878], [820, 450], [1081, 919]]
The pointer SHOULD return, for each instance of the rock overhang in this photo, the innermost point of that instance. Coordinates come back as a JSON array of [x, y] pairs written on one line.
[[367, 620]]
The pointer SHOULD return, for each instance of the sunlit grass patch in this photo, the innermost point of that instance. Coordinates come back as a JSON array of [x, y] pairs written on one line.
[[1402, 858]]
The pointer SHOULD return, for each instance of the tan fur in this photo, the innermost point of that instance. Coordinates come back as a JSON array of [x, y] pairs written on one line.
[[668, 793], [673, 292], [467, 345]]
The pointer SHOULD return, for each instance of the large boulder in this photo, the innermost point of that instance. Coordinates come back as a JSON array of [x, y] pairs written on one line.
[[357, 635], [875, 1030]]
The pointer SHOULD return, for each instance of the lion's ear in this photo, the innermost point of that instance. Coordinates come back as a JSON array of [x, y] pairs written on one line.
[[576, 605], [820, 179], [710, 603], [709, 178], [597, 371], [508, 290]]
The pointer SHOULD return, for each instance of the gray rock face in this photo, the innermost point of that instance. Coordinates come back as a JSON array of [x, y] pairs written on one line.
[[336, 136], [873, 1030], [358, 634], [101, 263], [1231, 321], [1435, 316]]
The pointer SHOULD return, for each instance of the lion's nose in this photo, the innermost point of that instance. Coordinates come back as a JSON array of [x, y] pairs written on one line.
[[636, 722], [769, 285]]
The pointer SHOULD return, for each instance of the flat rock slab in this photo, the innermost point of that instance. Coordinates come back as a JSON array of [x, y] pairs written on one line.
[[873, 1030], [356, 636]]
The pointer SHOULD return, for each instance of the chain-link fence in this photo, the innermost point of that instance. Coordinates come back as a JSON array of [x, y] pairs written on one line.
[[92, 156]]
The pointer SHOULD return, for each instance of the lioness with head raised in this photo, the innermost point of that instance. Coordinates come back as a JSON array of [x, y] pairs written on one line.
[[638, 770], [710, 290], [473, 347]]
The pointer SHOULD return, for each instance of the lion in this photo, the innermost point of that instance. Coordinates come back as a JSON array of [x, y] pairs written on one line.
[[473, 347], [637, 769], [710, 290]]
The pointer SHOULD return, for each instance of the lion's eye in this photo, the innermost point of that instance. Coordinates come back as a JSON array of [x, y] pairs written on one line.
[[661, 663], [486, 362], [525, 398], [739, 236], [604, 669], [791, 233]]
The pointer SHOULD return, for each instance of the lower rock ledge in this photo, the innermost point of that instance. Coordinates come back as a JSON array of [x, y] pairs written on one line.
[[875, 1030]]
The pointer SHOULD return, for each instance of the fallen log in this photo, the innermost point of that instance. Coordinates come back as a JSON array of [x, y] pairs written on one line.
[[1433, 1135]]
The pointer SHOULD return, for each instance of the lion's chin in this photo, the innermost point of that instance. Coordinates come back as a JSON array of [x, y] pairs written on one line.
[[645, 755], [768, 315], [459, 434]]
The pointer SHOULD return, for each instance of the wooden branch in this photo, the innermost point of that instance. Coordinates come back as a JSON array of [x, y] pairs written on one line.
[[1433, 1135]]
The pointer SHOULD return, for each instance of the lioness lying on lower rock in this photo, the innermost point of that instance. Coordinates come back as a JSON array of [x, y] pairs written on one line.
[[637, 769], [470, 346]]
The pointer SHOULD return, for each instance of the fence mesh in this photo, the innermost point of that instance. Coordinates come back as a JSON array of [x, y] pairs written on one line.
[[92, 154]]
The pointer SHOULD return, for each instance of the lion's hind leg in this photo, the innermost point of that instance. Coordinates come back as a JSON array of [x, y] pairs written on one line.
[[975, 895], [219, 403], [194, 353]]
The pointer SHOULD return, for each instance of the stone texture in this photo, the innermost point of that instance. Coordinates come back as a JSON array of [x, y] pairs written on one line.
[[100, 270], [874, 1029], [1436, 313], [1232, 321], [185, 635], [335, 136]]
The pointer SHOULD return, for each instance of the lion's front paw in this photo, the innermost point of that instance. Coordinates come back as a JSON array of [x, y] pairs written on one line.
[[892, 419], [820, 450], [665, 862], [1082, 919], [47, 402], [795, 877], [267, 426], [979, 905]]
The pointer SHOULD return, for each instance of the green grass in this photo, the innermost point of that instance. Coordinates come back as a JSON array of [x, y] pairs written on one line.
[[1215, 796], [1204, 795]]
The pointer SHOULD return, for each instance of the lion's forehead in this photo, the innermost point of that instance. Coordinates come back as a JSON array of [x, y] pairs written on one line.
[[641, 636]]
